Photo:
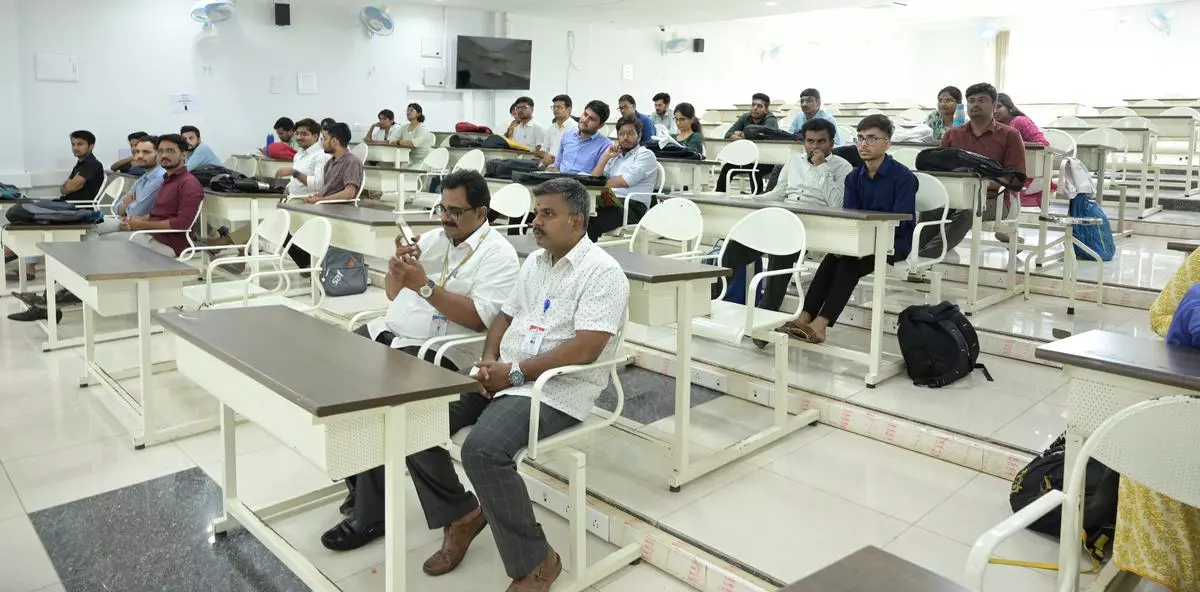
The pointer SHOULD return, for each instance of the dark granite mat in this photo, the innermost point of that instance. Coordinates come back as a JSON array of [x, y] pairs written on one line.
[[649, 396]]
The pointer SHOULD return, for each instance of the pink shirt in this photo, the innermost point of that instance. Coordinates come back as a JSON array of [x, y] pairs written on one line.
[[1029, 130]]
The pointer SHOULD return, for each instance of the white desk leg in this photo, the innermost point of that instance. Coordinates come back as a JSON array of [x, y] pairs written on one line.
[[395, 477], [229, 493], [1047, 194], [697, 179], [254, 236], [89, 342], [683, 384], [976, 238], [883, 242], [1070, 268], [400, 194], [145, 368]]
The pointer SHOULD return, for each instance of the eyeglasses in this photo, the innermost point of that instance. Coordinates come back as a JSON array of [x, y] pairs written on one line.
[[452, 213], [870, 140], [806, 100]]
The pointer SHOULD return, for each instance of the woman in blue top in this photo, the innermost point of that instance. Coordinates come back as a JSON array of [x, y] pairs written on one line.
[[881, 185]]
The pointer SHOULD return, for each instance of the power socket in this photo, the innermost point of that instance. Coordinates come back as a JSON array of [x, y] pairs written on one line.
[[759, 393]]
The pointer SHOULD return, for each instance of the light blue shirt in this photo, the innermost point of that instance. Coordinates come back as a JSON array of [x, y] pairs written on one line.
[[639, 169], [201, 156], [577, 155], [799, 122], [145, 189]]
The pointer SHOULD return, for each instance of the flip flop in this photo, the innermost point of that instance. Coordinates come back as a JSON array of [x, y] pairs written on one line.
[[804, 333]]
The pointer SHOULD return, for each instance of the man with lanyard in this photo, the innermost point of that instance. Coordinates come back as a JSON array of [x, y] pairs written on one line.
[[451, 281]]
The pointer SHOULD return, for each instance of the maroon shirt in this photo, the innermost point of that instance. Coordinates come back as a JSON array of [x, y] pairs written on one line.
[[178, 201], [999, 142]]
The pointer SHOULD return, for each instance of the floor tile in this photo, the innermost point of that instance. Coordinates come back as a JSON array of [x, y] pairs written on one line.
[[818, 373], [23, 561], [971, 405], [643, 578], [1035, 429], [207, 448], [1023, 379], [57, 429], [719, 423], [1040, 316], [716, 353], [270, 475], [949, 559], [649, 396], [782, 527], [73, 473], [885, 478]]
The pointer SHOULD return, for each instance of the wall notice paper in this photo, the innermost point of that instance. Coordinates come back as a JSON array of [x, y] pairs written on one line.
[[276, 84], [184, 103], [306, 84]]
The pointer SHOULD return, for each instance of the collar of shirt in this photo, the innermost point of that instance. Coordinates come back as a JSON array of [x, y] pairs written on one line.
[[475, 239], [175, 174], [566, 124], [992, 127], [574, 256], [884, 168]]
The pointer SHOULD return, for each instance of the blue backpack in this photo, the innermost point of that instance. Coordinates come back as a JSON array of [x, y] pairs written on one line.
[[1098, 237], [10, 191]]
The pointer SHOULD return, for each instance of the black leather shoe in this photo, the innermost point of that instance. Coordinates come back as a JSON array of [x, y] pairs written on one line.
[[64, 297], [31, 298], [34, 313], [347, 536]]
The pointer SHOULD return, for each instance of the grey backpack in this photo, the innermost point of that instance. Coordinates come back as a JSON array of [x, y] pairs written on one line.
[[343, 273]]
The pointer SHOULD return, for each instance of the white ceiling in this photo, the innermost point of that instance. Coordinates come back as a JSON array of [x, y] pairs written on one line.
[[636, 13]]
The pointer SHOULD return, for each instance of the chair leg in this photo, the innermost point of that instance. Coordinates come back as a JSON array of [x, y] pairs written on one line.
[[577, 510], [935, 286], [779, 398], [1069, 268]]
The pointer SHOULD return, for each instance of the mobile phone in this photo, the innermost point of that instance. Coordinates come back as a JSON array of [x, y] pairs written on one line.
[[406, 231]]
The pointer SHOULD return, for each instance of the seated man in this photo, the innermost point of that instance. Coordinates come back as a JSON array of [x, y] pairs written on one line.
[[523, 130], [810, 108], [662, 113], [425, 304], [568, 303], [759, 114], [631, 169], [126, 165], [83, 184], [560, 125], [140, 198], [285, 131], [199, 154], [580, 149], [882, 185], [628, 108], [307, 173], [343, 176]]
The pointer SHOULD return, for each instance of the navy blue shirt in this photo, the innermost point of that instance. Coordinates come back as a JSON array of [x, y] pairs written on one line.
[[894, 189]]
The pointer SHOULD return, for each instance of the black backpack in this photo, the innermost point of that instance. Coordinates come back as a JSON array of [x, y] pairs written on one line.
[[1099, 497], [673, 151], [536, 178], [956, 159], [762, 132], [462, 141], [206, 173], [939, 344], [503, 168], [51, 212]]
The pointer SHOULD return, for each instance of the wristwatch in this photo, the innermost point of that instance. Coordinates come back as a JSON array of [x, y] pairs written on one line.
[[515, 376], [427, 290]]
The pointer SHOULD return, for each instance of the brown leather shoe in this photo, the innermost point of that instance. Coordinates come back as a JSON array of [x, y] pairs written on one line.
[[542, 578], [456, 539]]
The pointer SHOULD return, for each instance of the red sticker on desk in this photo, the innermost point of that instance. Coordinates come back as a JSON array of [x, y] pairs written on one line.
[[939, 445], [728, 585], [648, 548], [890, 433], [694, 572], [846, 415]]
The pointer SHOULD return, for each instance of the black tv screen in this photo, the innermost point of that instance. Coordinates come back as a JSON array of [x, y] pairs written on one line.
[[493, 63]]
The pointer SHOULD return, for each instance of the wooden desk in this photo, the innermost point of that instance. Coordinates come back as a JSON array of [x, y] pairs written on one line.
[[1111, 371], [365, 230], [119, 278], [341, 401], [388, 154], [857, 233], [1138, 140], [24, 240], [871, 569]]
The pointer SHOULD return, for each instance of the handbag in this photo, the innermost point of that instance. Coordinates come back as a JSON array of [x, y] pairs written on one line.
[[343, 273]]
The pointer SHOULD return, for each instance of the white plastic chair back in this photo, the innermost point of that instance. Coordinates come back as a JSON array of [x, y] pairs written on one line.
[[868, 106], [112, 192], [1180, 111], [771, 231], [913, 116], [661, 182], [739, 153], [512, 201], [314, 236], [931, 193], [1133, 121], [1152, 442], [471, 161], [360, 150], [1060, 140], [272, 232], [661, 130], [1117, 112], [848, 134], [786, 123], [676, 219], [1109, 137], [1070, 121], [721, 130], [906, 156], [1149, 103], [436, 160]]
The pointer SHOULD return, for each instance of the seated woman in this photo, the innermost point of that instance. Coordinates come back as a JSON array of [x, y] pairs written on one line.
[[1008, 114], [689, 128], [948, 100], [882, 185]]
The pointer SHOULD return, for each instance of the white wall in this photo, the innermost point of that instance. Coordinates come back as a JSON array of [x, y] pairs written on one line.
[[12, 159]]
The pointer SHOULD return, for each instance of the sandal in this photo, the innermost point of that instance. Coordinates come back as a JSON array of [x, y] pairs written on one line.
[[804, 333]]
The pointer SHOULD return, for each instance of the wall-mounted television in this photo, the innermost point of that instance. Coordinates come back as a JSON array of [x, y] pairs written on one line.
[[493, 63]]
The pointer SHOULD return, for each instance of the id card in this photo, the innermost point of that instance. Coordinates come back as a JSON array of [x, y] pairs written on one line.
[[437, 326], [533, 340]]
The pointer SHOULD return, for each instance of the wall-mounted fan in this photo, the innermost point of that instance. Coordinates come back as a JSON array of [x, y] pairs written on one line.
[[676, 45], [1160, 20], [377, 21], [208, 12]]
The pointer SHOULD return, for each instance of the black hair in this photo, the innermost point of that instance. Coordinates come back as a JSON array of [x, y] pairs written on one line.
[[982, 88], [339, 132], [664, 97], [388, 114], [84, 135], [476, 187], [565, 99], [635, 121], [817, 124], [687, 110], [1007, 101], [285, 124], [189, 128], [525, 100], [811, 92], [176, 139], [136, 136], [600, 108], [313, 127], [327, 121], [419, 110], [573, 192], [627, 99], [953, 92], [148, 138], [761, 97], [881, 122]]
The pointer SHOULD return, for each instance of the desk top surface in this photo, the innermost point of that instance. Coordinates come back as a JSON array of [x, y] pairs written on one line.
[[639, 266], [688, 161], [1185, 246], [10, 227], [387, 169], [870, 570], [366, 216], [244, 195], [114, 260], [323, 369], [1131, 357], [531, 183], [721, 199]]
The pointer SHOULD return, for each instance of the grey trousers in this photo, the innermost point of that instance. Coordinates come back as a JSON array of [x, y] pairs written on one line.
[[501, 429]]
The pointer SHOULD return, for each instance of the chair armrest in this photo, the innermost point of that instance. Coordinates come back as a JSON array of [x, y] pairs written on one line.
[[912, 255], [687, 255], [446, 342], [215, 263], [287, 284], [501, 227], [614, 243], [364, 316], [535, 395], [985, 546]]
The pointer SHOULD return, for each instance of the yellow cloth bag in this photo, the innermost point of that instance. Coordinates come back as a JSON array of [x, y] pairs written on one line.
[[1163, 309], [1157, 537]]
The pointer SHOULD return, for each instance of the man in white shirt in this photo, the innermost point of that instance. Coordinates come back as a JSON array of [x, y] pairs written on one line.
[[631, 169], [816, 178], [563, 123], [523, 130], [308, 166], [453, 281], [662, 113]]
